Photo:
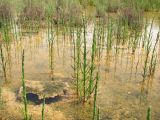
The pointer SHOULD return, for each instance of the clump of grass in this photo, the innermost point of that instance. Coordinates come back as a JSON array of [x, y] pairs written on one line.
[[113, 6], [100, 8], [104, 6], [68, 12], [149, 5], [5, 10], [145, 5], [31, 16], [6, 29], [31, 11], [131, 16], [50, 8]]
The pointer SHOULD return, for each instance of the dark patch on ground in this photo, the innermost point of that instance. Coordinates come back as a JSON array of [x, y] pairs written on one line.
[[34, 98]]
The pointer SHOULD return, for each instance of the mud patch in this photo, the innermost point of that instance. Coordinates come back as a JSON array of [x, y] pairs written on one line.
[[34, 98]]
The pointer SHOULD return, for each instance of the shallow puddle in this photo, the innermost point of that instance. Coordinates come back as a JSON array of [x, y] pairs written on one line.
[[121, 93]]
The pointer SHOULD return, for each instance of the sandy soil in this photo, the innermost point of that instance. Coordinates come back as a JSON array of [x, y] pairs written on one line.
[[13, 109]]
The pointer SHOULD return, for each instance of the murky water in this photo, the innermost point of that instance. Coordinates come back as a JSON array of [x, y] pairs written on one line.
[[120, 95]]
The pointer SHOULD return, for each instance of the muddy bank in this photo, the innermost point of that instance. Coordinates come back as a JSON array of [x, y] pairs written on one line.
[[13, 109]]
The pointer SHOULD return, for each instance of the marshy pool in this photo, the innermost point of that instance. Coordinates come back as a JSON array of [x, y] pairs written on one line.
[[123, 94]]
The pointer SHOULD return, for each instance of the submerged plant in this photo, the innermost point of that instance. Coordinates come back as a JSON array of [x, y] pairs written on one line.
[[148, 48], [150, 59], [144, 35], [135, 41], [153, 58], [99, 35], [109, 35]]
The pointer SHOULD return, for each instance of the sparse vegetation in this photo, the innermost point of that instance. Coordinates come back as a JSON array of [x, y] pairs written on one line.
[[81, 57]]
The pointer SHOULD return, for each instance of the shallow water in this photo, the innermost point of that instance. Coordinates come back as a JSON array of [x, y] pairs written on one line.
[[120, 95]]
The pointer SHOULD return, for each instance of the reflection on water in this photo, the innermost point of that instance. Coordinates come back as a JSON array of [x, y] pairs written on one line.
[[120, 94]]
